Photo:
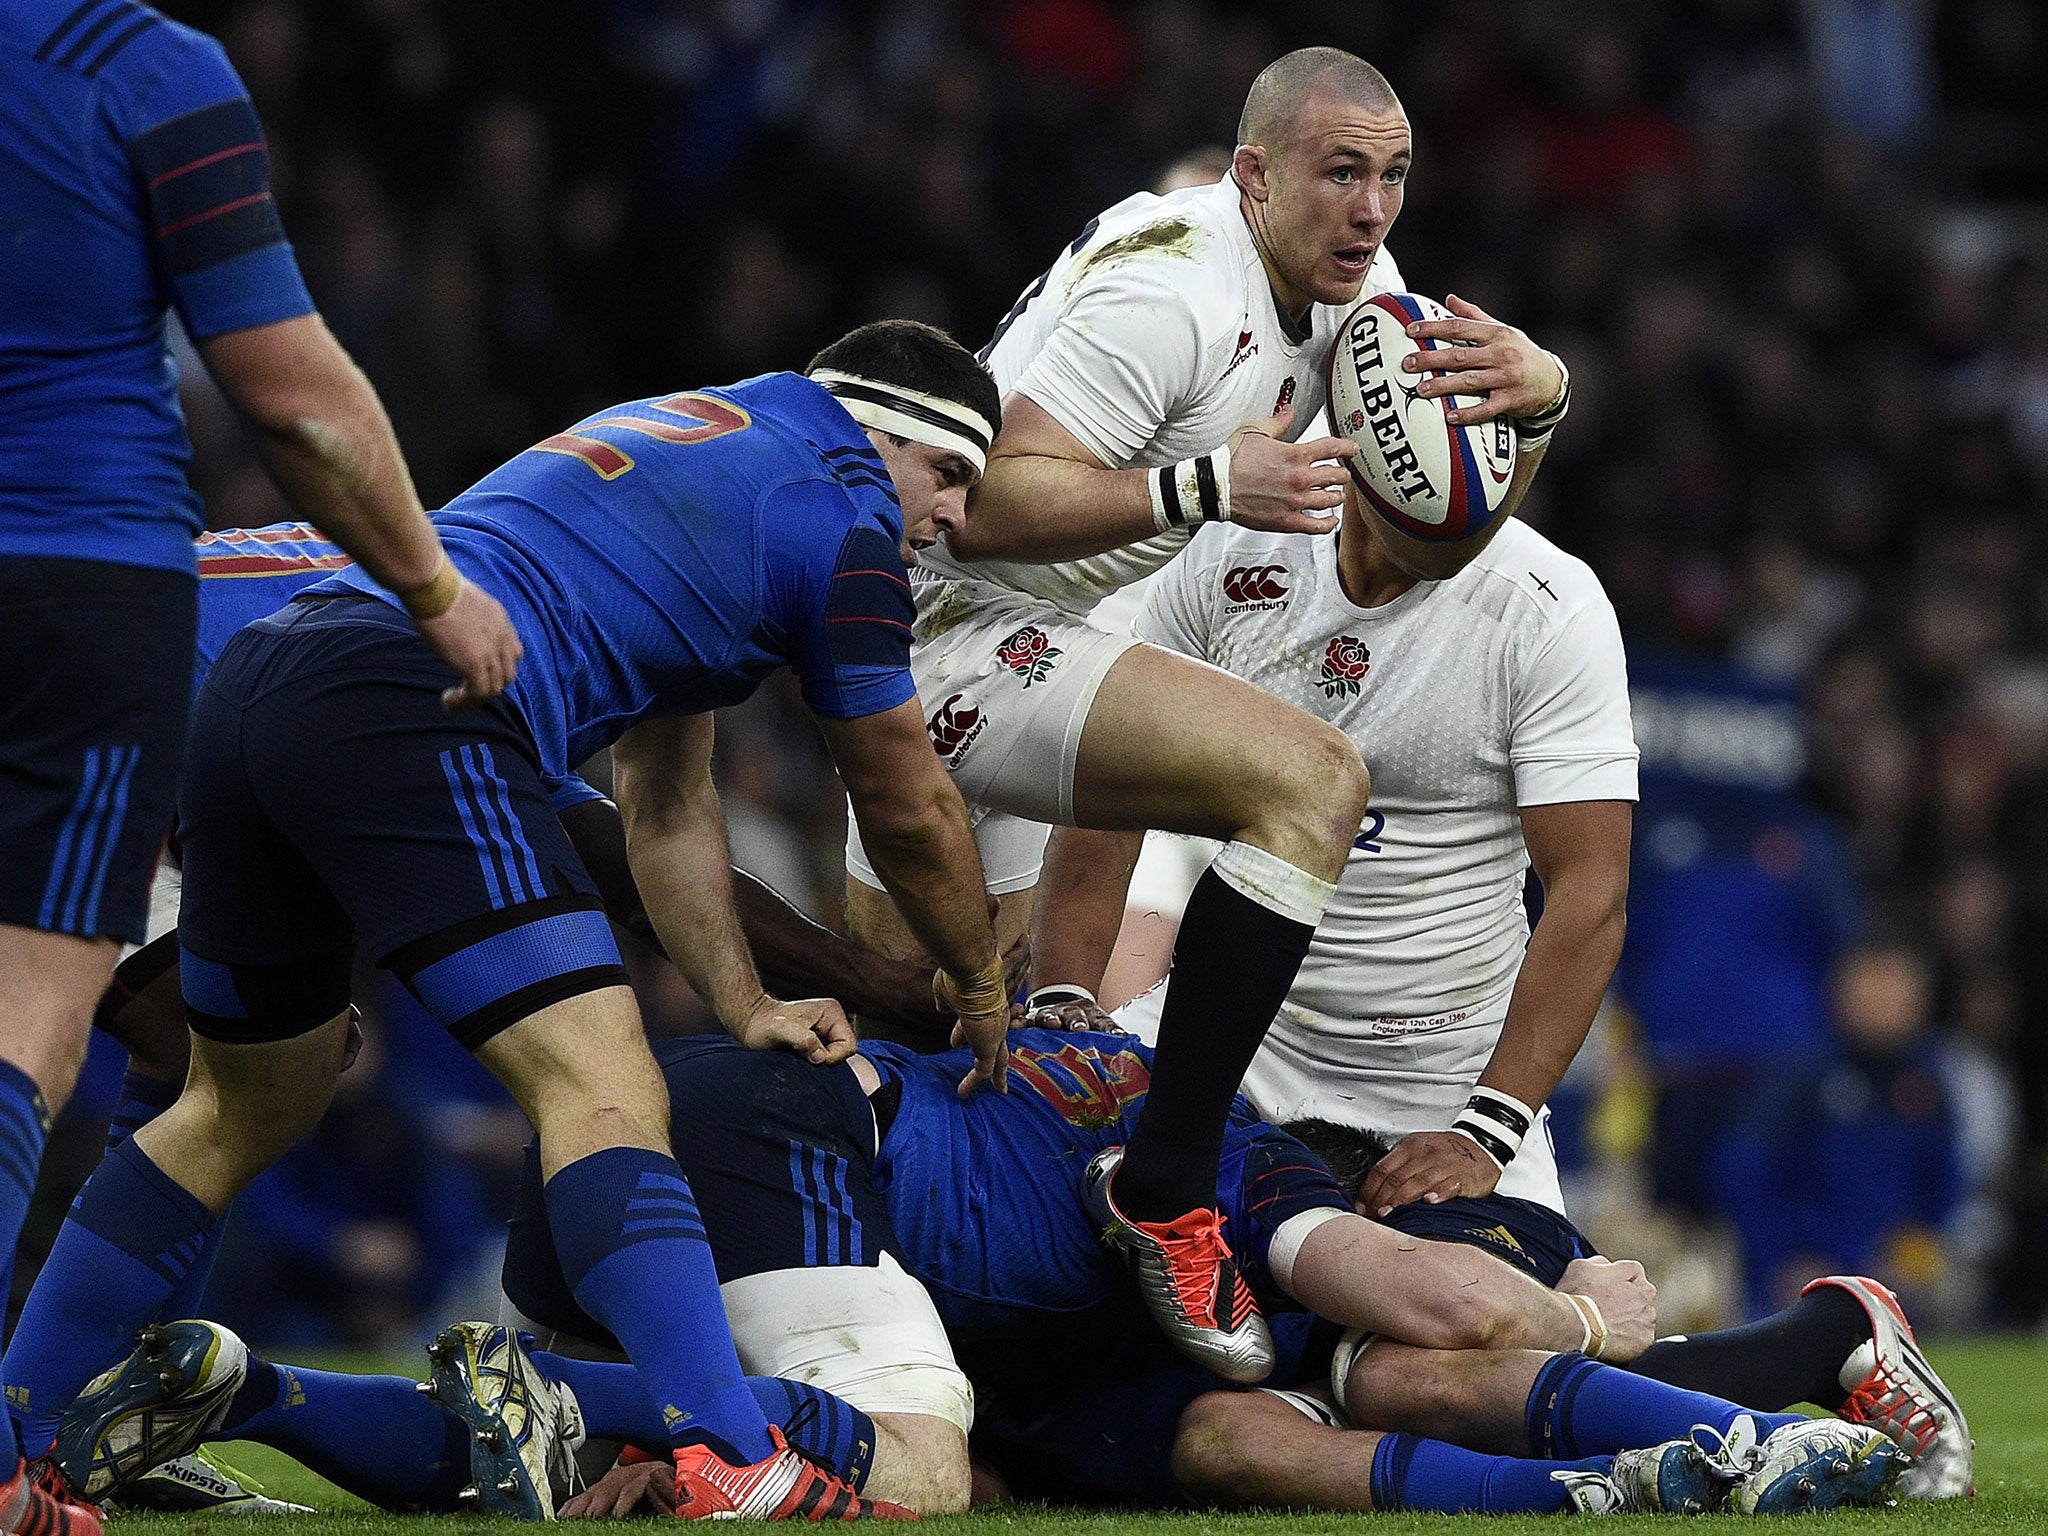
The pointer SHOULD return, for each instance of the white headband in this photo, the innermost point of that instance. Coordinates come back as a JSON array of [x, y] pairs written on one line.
[[910, 413]]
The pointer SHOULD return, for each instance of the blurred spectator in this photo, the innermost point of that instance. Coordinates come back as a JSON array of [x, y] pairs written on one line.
[[1848, 1161]]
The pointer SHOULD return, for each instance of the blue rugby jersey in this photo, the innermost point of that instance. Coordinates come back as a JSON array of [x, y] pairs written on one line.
[[133, 178], [664, 556], [985, 1192]]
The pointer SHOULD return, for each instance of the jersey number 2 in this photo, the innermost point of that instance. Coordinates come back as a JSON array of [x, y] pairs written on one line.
[[710, 419]]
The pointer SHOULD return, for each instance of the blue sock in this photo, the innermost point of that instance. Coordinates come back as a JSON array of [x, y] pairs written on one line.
[[615, 1404], [632, 1248], [143, 1098], [132, 1234], [377, 1436], [1580, 1407], [24, 1126], [1409, 1472]]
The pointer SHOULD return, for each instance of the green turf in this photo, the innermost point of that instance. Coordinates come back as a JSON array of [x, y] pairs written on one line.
[[2002, 1383]]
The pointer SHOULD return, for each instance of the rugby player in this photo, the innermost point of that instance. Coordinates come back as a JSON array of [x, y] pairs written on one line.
[[1152, 379], [661, 559], [134, 178]]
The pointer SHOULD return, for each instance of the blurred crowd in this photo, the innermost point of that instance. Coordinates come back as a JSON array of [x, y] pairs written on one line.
[[1791, 251]]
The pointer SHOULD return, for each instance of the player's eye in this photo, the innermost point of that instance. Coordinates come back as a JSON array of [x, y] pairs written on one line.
[[1343, 175]]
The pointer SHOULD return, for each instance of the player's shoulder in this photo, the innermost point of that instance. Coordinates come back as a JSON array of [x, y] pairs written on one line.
[[166, 67], [1525, 578], [1183, 246]]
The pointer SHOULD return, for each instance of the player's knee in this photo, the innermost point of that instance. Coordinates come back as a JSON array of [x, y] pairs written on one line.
[[921, 1461], [1209, 1447], [1321, 787]]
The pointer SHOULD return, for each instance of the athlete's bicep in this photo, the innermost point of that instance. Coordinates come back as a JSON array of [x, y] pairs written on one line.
[[197, 152], [1570, 736]]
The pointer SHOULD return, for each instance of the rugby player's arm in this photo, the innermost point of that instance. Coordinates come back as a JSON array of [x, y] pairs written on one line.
[[794, 956], [1453, 1295], [914, 827], [1579, 850], [1080, 907], [325, 439], [676, 848], [1046, 497]]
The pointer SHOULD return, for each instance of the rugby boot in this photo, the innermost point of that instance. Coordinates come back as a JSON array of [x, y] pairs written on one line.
[[202, 1483], [782, 1486], [1591, 1493], [1893, 1388], [1679, 1477], [162, 1402], [524, 1429], [1189, 1280], [1818, 1465], [36, 1501]]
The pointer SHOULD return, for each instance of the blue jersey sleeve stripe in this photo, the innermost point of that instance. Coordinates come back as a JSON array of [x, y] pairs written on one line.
[[63, 28], [120, 40], [207, 176]]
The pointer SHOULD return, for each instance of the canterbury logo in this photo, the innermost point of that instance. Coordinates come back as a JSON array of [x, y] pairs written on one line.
[[953, 729], [1254, 583]]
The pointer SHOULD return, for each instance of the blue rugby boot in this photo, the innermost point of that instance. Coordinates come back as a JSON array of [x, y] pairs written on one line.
[[162, 1402], [524, 1429]]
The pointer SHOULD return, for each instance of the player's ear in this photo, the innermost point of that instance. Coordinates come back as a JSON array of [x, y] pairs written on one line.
[[1248, 165]]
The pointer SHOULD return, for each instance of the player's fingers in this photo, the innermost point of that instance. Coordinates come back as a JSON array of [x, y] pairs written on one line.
[[1329, 448], [1499, 403], [1455, 330], [1485, 381], [457, 698], [1465, 309]]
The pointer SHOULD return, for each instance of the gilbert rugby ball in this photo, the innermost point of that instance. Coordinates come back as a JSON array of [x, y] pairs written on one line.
[[1426, 477]]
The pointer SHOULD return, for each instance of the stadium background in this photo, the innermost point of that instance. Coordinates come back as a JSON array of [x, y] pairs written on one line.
[[1791, 251]]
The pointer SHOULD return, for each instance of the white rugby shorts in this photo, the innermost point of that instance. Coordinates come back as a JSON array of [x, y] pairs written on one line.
[[1006, 680]]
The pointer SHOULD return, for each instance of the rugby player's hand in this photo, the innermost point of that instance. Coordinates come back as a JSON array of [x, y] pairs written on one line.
[[1430, 1166], [638, 1488], [1283, 487], [989, 1034], [814, 1027], [1068, 1013], [477, 639], [1626, 1299], [1516, 377]]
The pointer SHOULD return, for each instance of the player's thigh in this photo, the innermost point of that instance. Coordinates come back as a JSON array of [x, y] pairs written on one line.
[[95, 683], [1011, 849], [47, 985], [580, 1070], [1179, 745]]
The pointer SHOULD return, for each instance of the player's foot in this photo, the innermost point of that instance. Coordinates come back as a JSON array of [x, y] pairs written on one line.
[[161, 1402], [783, 1486], [524, 1429], [36, 1501], [1893, 1388], [1679, 1477], [1818, 1464], [202, 1482], [1189, 1279]]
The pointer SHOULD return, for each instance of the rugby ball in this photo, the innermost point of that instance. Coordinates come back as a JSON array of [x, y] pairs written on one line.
[[1427, 478]]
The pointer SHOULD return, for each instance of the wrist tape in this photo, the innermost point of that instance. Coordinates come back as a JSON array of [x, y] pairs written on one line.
[[1534, 429], [1192, 492], [437, 594], [1497, 1121], [981, 993], [1058, 995], [1595, 1325]]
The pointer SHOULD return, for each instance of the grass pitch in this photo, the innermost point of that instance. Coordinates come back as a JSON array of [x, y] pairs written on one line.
[[2002, 1383]]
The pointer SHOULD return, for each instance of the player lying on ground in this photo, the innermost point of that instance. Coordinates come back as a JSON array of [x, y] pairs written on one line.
[[1845, 1346], [660, 560], [821, 1185]]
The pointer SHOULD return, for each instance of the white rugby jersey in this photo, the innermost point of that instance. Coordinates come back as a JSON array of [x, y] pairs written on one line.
[[1504, 686], [1152, 339]]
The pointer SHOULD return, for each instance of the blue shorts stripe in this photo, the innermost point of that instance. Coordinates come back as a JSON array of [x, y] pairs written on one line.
[[89, 841], [843, 1201], [493, 832], [454, 769], [60, 862], [493, 968], [502, 793], [800, 1180], [209, 987], [122, 778]]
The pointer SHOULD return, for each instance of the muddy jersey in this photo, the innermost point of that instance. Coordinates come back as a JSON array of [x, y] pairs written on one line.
[[1152, 339]]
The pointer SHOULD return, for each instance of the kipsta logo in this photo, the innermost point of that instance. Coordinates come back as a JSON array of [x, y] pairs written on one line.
[[1345, 664], [1029, 653], [953, 729], [1247, 588]]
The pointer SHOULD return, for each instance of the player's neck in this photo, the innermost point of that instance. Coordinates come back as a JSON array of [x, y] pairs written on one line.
[[1294, 306], [1365, 570]]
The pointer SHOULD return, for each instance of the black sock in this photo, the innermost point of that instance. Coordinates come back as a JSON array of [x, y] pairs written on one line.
[[1232, 965], [1793, 1356]]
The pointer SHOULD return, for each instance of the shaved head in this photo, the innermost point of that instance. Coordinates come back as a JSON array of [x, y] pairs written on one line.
[[1272, 108]]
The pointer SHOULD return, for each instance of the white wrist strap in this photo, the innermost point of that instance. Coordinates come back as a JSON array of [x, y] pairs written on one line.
[[1595, 1325], [1497, 1121], [1058, 995], [1192, 492], [1535, 429]]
